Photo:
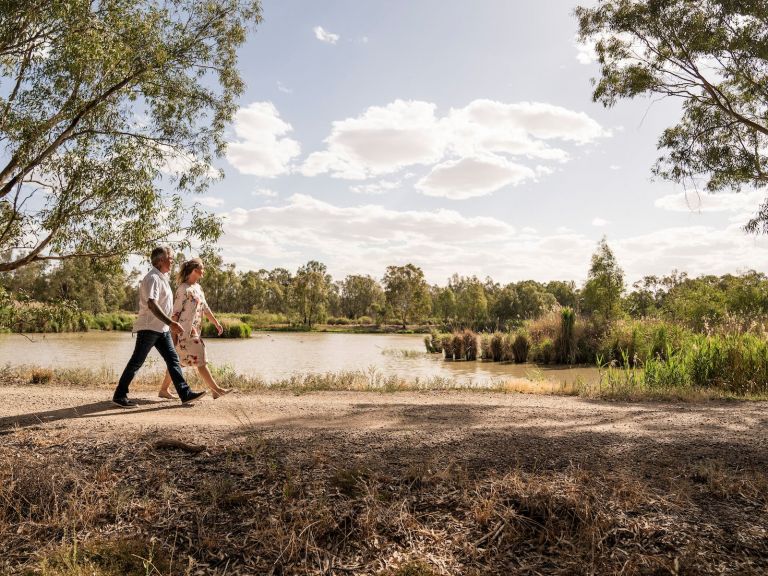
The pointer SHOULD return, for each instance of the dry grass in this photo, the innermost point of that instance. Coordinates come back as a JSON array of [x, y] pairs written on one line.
[[72, 505]]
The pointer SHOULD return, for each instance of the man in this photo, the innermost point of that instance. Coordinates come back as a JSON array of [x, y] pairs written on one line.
[[152, 330]]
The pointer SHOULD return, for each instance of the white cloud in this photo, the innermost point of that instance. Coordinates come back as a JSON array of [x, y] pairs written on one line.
[[325, 36], [475, 144], [356, 239], [497, 126], [264, 192], [376, 188], [382, 140], [211, 201], [695, 249], [707, 202], [585, 52], [283, 88], [470, 177], [261, 148], [366, 238], [599, 222]]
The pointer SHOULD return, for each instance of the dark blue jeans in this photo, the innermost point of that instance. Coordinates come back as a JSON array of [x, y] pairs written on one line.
[[145, 341]]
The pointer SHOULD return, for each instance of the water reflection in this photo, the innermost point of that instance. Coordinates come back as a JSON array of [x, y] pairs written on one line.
[[278, 355]]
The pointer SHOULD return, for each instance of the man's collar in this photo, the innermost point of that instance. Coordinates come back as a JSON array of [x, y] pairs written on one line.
[[165, 275]]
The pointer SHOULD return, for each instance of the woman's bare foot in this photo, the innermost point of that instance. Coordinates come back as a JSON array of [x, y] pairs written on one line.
[[220, 392], [167, 395]]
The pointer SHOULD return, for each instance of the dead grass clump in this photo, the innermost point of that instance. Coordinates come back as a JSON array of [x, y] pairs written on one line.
[[470, 344], [40, 376], [414, 568], [108, 558]]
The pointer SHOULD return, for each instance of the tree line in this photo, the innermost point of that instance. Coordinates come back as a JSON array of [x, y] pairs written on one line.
[[310, 295]]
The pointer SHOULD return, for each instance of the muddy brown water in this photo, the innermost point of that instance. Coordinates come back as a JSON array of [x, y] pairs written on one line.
[[276, 355]]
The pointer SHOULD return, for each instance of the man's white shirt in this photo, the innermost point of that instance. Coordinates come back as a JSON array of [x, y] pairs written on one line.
[[154, 286]]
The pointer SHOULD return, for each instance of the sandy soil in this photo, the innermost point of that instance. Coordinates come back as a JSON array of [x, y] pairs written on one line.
[[439, 416]]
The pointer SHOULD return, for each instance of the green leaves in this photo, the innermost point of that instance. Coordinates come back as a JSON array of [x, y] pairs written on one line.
[[714, 56], [100, 100]]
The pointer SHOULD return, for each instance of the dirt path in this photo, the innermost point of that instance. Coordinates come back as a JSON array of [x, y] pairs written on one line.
[[437, 413]]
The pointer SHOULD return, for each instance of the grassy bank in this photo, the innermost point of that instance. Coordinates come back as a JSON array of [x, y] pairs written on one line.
[[638, 359], [631, 384]]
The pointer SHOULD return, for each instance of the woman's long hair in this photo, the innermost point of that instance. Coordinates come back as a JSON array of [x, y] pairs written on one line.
[[186, 269]]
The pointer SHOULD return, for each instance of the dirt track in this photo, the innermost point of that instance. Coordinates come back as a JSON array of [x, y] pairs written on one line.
[[441, 415]]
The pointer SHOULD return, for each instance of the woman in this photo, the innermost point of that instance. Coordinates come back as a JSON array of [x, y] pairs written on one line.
[[188, 309]]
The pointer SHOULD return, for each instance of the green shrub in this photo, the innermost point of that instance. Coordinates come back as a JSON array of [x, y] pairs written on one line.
[[458, 346], [469, 339], [485, 347], [497, 346], [447, 345], [232, 329], [520, 348], [566, 339], [364, 320], [544, 352]]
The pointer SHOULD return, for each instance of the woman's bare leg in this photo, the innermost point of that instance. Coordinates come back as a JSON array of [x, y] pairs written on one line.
[[164, 393], [216, 390]]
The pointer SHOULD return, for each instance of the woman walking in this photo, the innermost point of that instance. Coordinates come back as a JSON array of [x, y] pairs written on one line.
[[189, 306]]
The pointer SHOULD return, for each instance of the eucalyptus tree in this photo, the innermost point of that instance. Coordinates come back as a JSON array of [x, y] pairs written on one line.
[[407, 293], [359, 295], [110, 110], [310, 291], [601, 295], [710, 54]]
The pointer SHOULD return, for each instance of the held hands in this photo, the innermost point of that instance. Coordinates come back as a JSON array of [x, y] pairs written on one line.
[[176, 328]]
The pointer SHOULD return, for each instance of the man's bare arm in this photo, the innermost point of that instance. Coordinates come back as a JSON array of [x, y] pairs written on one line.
[[160, 315]]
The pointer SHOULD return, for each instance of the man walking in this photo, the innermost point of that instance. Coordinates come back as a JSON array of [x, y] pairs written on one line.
[[152, 330]]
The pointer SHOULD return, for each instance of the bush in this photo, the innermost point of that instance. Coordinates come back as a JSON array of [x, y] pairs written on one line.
[[232, 329], [485, 347], [365, 321], [433, 342], [520, 347], [470, 345], [566, 339], [447, 345], [458, 346], [497, 346]]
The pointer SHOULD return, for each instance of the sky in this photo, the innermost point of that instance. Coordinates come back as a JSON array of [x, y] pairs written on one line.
[[458, 137]]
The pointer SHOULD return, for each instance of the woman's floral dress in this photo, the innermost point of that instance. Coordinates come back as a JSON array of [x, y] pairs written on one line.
[[188, 308]]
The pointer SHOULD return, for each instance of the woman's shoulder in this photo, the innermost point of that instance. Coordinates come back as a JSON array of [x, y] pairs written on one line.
[[182, 289]]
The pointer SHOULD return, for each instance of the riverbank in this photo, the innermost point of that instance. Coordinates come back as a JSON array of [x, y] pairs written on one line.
[[398, 484]]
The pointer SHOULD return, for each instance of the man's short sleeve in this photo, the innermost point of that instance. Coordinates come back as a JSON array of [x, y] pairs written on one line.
[[153, 287]]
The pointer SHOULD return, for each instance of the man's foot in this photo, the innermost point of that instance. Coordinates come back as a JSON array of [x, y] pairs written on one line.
[[192, 396], [220, 392], [123, 402], [167, 395]]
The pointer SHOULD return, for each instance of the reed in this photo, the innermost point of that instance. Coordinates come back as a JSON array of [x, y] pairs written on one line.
[[521, 347], [446, 343], [497, 346], [459, 351], [485, 347], [469, 339]]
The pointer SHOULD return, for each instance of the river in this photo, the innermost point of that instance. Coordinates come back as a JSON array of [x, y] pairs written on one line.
[[276, 355]]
